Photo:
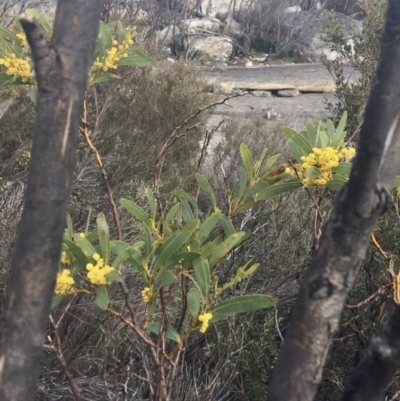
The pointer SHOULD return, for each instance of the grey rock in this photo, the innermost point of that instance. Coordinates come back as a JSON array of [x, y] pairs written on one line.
[[288, 93], [261, 93]]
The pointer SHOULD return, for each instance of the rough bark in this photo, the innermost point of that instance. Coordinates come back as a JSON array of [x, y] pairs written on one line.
[[374, 374], [346, 235], [61, 68]]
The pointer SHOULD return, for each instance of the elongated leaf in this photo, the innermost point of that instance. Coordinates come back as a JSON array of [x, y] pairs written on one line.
[[44, 21], [343, 168], [298, 139], [330, 128], [278, 189], [172, 214], [336, 184], [323, 139], [174, 243], [87, 248], [138, 262], [6, 33], [203, 277], [208, 226], [146, 236], [194, 301], [311, 134], [227, 225], [136, 211], [244, 303], [242, 183], [92, 236], [295, 151], [269, 163], [115, 275], [136, 61], [107, 77], [165, 279], [171, 333], [102, 297], [226, 246], [104, 237], [247, 159], [117, 246], [206, 187], [105, 35], [78, 254], [312, 172], [70, 228], [152, 202], [124, 255], [58, 299], [256, 188], [340, 132], [187, 211], [185, 259], [180, 194]]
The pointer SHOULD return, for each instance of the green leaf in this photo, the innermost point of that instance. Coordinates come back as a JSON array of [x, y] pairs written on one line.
[[269, 163], [136, 61], [323, 139], [337, 183], [105, 78], [330, 128], [165, 279], [227, 225], [152, 202], [295, 151], [117, 246], [124, 255], [242, 182], [102, 297], [244, 303], [185, 259], [78, 254], [256, 188], [174, 243], [6, 33], [58, 299], [344, 168], [137, 261], [70, 228], [136, 211], [180, 194], [396, 182], [298, 139], [206, 187], [340, 132], [208, 226], [311, 134], [92, 236], [105, 35], [104, 237], [172, 214], [171, 333], [85, 245], [226, 246], [187, 211], [113, 276], [278, 189], [247, 159], [312, 172], [194, 301], [146, 236], [202, 272]]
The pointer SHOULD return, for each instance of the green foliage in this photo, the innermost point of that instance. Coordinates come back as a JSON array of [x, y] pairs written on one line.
[[363, 56]]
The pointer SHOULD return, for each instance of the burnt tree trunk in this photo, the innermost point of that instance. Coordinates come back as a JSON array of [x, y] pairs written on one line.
[[61, 68], [345, 240]]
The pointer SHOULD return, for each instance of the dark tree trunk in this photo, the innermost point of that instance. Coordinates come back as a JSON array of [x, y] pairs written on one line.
[[61, 68]]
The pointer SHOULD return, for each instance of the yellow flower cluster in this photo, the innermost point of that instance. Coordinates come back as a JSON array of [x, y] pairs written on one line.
[[17, 66], [325, 160], [113, 55], [146, 295], [205, 321], [97, 274], [21, 37], [65, 283], [65, 259]]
